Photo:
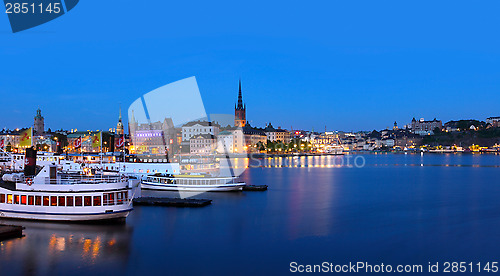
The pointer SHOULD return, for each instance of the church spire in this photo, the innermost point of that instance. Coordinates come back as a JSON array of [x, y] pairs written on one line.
[[240, 97], [120, 117]]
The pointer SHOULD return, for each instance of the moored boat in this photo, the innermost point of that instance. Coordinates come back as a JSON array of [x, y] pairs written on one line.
[[192, 182], [53, 196]]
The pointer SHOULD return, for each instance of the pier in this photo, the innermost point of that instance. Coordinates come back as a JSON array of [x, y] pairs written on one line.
[[255, 188], [10, 232], [171, 202]]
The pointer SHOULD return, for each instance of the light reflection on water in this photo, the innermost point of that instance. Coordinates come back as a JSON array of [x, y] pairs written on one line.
[[51, 248]]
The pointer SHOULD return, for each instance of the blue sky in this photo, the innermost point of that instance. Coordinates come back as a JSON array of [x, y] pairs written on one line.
[[350, 65]]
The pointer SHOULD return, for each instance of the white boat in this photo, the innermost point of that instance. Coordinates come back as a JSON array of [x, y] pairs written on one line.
[[67, 197], [191, 183]]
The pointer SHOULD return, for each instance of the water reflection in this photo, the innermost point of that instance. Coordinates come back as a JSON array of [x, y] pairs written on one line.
[[49, 248]]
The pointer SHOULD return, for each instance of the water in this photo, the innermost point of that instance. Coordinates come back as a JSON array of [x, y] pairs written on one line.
[[397, 209]]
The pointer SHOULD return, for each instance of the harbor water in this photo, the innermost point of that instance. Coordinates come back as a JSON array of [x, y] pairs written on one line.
[[393, 209]]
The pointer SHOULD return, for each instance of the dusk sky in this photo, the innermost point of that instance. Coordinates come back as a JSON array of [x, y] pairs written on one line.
[[350, 65]]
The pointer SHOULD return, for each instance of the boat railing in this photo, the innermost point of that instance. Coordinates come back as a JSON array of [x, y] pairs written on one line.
[[194, 180], [72, 180]]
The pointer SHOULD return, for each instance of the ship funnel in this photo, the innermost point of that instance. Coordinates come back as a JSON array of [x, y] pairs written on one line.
[[30, 162]]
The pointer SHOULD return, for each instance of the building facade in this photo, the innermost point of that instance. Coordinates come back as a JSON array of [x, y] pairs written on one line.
[[202, 144], [199, 127], [423, 127], [278, 134]]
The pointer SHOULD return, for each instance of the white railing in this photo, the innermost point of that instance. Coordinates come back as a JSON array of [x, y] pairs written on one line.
[[72, 180]]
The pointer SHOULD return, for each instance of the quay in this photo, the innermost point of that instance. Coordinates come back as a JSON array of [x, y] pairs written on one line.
[[171, 202], [255, 188], [10, 232]]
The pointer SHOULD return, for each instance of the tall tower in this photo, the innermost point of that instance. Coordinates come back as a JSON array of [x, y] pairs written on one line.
[[119, 126], [38, 124], [240, 111]]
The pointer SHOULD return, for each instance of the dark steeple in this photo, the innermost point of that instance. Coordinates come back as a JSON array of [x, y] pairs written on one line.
[[240, 98], [240, 110]]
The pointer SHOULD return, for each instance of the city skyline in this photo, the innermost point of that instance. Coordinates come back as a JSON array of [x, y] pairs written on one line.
[[329, 69]]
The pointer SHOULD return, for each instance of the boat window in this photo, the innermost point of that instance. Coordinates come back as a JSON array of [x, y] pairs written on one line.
[[31, 200], [78, 201], [16, 199], [23, 200], [38, 200], [46, 201], [62, 201], [2, 198], [97, 200], [69, 201], [109, 199], [125, 195], [53, 201], [87, 200], [9, 199], [119, 199]]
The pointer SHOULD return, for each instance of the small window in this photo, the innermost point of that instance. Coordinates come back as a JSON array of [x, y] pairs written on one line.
[[87, 200], [46, 201], [62, 201], [16, 199], [38, 200], [97, 201], [2, 198], [111, 199], [31, 200], [69, 201], [23, 200], [78, 201], [9, 199], [119, 198], [53, 201]]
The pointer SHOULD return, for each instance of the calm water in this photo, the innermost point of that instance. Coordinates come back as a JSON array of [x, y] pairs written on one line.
[[397, 209]]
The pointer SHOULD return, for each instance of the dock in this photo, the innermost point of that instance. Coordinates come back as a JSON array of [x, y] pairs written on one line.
[[10, 232], [171, 202], [255, 188]]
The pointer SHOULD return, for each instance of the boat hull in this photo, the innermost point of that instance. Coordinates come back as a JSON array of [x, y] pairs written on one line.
[[114, 216], [193, 188]]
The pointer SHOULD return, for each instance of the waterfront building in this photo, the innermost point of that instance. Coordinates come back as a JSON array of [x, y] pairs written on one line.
[[199, 127], [326, 138], [38, 123], [202, 144], [225, 142], [278, 134], [108, 141], [152, 138], [240, 111], [252, 136], [232, 140], [11, 138], [423, 127]]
